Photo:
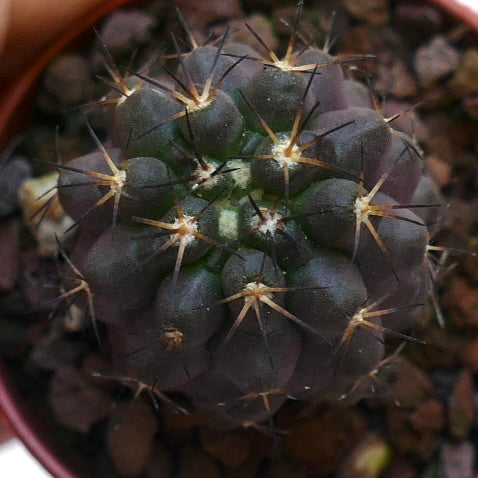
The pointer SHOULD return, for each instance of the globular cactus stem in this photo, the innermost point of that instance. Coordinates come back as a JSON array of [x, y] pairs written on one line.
[[252, 232]]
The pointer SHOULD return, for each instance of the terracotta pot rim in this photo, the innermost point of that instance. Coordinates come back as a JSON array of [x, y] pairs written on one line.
[[462, 12], [15, 95]]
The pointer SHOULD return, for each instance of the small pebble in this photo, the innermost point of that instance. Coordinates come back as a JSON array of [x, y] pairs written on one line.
[[461, 408], [160, 463], [417, 21], [410, 385], [439, 170], [130, 436], [464, 81], [373, 12], [200, 14], [194, 463], [76, 404], [461, 300], [35, 194], [393, 76], [126, 29], [260, 24], [428, 416], [435, 60], [230, 448], [12, 174], [67, 82], [324, 439]]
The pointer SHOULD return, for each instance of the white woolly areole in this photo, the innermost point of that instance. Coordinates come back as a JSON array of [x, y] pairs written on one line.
[[269, 224], [242, 176], [187, 226], [204, 177], [256, 287], [228, 224], [278, 152]]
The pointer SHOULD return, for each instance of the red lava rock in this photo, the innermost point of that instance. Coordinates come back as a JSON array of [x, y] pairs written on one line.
[[160, 463], [260, 24], [400, 467], [442, 349], [464, 82], [9, 253], [406, 439], [230, 448], [323, 440], [394, 77], [248, 469], [435, 60], [428, 416], [358, 40], [194, 463], [179, 428], [130, 436], [374, 12], [458, 460], [461, 301], [53, 352], [410, 386], [461, 407], [76, 403], [200, 14], [125, 29], [66, 83], [439, 170]]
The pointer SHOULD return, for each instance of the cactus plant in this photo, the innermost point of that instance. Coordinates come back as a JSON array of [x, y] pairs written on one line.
[[253, 231]]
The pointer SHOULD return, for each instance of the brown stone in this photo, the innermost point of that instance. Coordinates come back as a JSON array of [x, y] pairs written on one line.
[[230, 448], [439, 170], [428, 416], [464, 82], [130, 436], [194, 463], [324, 439], [393, 76], [461, 407], [374, 12], [160, 463], [435, 60], [200, 14], [461, 301], [410, 386], [76, 404]]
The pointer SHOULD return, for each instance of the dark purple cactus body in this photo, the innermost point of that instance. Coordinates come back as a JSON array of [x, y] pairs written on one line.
[[267, 233]]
